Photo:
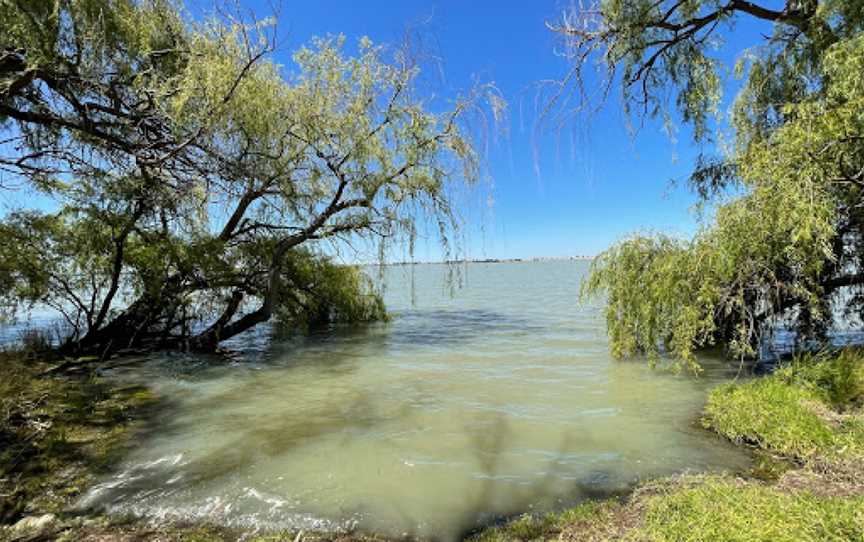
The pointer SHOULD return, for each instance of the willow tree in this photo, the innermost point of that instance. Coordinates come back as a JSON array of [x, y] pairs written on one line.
[[785, 245], [192, 181]]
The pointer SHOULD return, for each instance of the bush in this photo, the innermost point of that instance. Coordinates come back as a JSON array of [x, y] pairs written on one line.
[[836, 378], [325, 292]]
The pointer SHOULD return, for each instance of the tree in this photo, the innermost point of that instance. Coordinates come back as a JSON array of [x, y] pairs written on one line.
[[194, 180], [789, 250]]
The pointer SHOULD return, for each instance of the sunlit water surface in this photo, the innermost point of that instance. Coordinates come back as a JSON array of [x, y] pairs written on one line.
[[463, 409]]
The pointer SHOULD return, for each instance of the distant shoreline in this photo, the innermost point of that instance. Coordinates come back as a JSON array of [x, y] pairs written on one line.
[[489, 260]]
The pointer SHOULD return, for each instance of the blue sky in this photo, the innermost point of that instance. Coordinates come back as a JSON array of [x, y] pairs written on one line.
[[559, 194], [596, 182]]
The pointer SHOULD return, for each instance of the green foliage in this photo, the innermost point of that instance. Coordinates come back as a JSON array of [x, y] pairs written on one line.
[[723, 510], [322, 292], [648, 281], [789, 246], [48, 258], [721, 286], [188, 169], [836, 378], [790, 412]]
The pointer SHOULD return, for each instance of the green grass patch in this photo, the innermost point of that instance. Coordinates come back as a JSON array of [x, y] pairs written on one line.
[[697, 509], [722, 510], [770, 414], [804, 410]]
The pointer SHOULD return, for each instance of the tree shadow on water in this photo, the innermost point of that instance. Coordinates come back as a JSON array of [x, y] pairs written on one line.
[[497, 503], [494, 495], [497, 496]]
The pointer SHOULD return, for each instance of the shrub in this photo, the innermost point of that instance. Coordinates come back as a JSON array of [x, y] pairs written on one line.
[[836, 378]]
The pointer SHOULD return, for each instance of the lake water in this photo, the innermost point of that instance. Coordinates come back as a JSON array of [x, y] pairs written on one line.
[[465, 408]]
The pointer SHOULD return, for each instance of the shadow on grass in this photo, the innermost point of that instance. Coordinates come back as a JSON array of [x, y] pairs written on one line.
[[58, 434]]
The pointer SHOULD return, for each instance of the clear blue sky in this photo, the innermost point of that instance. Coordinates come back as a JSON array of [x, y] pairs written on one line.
[[596, 182]]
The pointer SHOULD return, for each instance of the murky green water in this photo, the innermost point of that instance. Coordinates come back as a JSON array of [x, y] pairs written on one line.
[[499, 400]]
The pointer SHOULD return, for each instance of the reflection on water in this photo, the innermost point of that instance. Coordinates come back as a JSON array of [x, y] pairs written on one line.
[[461, 410]]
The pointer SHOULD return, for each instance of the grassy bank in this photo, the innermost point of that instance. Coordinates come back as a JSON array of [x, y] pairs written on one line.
[[806, 421]]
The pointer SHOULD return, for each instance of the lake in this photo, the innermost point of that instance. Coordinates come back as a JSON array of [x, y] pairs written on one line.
[[497, 399]]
